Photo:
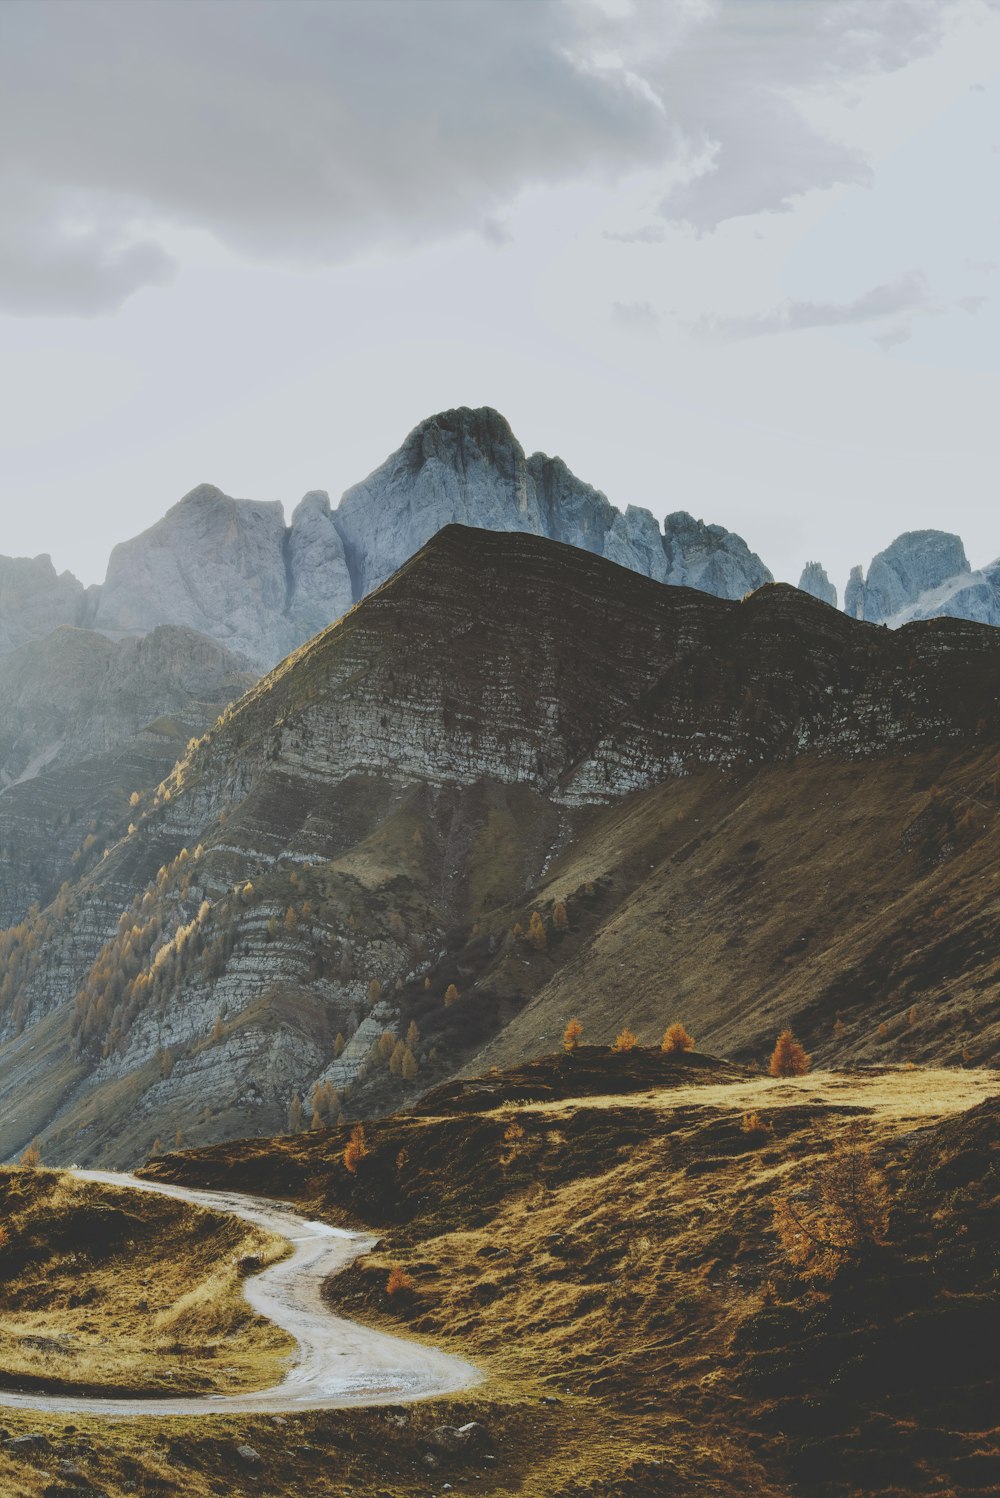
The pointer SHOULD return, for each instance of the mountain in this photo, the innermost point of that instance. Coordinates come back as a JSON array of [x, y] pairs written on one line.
[[233, 571], [35, 599], [519, 782], [85, 723], [815, 582]]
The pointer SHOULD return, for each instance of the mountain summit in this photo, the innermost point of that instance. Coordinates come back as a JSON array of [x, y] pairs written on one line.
[[234, 571]]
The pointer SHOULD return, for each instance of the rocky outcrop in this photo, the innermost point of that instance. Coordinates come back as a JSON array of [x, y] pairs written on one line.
[[213, 564], [35, 599], [231, 569], [710, 558], [815, 582], [915, 563]]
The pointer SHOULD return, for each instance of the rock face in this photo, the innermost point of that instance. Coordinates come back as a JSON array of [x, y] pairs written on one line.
[[213, 564], [915, 563], [815, 582], [367, 825], [230, 568], [35, 599]]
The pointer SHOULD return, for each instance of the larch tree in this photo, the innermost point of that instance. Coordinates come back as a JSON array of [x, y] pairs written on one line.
[[788, 1059]]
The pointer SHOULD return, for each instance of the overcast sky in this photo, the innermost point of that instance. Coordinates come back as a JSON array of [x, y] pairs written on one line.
[[739, 257]]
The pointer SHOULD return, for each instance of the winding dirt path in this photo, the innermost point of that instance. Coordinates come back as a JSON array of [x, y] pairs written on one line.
[[338, 1362]]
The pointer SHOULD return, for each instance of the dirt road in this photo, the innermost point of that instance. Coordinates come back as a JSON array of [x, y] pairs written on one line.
[[338, 1362]]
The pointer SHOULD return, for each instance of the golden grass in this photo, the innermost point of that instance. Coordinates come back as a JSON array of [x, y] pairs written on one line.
[[103, 1290]]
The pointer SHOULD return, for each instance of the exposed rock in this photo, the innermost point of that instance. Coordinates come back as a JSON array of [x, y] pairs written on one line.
[[467, 466], [854, 594], [320, 582], [214, 564], [710, 558], [230, 569], [916, 562], [35, 599], [815, 582], [968, 595]]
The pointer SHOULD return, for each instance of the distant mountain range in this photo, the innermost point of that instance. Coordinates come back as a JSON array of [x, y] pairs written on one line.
[[232, 570]]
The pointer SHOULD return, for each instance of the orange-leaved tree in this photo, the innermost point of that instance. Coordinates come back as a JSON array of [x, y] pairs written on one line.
[[788, 1059], [625, 1040], [398, 1283], [571, 1035], [356, 1149], [675, 1040]]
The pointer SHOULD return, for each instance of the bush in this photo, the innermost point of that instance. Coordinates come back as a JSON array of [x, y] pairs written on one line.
[[398, 1283], [677, 1040], [788, 1059], [625, 1040]]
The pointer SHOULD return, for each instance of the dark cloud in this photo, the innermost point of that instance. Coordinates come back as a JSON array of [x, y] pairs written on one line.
[[307, 132], [298, 131], [908, 293]]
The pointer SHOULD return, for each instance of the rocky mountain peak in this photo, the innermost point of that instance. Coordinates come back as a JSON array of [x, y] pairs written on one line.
[[916, 562], [815, 582]]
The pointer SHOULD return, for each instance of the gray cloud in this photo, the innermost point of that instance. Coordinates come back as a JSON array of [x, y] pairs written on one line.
[[908, 293], [307, 132], [733, 85], [293, 130]]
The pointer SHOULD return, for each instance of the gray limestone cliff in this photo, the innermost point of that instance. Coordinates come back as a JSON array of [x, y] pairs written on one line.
[[709, 558], [35, 599], [232, 570], [915, 563], [815, 582]]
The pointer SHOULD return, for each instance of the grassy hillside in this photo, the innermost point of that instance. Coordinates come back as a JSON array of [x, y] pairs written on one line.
[[603, 1235], [110, 1291]]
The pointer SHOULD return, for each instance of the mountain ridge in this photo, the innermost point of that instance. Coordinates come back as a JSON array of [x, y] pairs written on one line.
[[506, 724]]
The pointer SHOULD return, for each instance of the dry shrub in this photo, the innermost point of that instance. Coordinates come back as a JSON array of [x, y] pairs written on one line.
[[451, 995], [571, 1035], [513, 1138], [676, 1040], [788, 1059], [752, 1123], [844, 1215], [31, 1157], [625, 1040], [398, 1283], [356, 1149], [560, 916]]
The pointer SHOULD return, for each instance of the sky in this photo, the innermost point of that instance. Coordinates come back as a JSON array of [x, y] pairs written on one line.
[[736, 257]]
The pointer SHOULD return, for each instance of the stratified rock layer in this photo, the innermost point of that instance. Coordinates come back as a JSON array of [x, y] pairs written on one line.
[[372, 820]]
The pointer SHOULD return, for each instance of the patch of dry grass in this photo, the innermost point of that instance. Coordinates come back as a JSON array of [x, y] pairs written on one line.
[[100, 1290]]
